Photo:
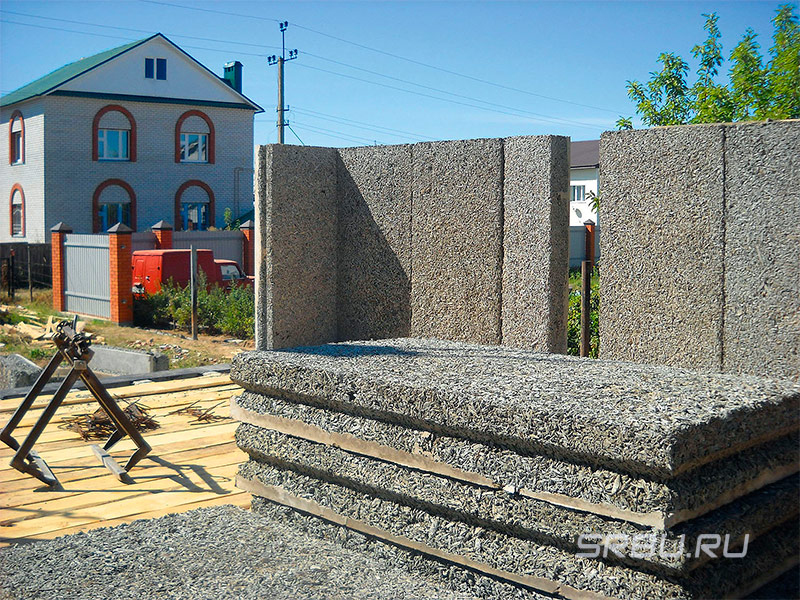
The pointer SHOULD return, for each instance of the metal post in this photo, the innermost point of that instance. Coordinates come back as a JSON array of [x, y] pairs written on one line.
[[193, 283], [11, 275], [30, 279], [280, 100], [586, 291]]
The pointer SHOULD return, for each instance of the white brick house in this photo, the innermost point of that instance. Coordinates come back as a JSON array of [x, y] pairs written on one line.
[[136, 134]]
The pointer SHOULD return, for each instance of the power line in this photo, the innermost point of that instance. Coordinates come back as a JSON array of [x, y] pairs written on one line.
[[302, 143], [334, 132], [441, 91], [554, 120], [396, 56], [146, 31], [364, 125]]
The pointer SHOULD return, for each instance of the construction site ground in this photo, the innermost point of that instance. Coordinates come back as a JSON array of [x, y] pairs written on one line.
[[192, 464]]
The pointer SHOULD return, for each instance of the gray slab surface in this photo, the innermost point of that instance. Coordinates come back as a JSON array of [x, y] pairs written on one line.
[[124, 361], [374, 244], [762, 249], [663, 245], [535, 244], [647, 419], [457, 233]]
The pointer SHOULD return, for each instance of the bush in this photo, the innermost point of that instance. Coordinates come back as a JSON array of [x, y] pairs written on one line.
[[574, 315], [231, 313]]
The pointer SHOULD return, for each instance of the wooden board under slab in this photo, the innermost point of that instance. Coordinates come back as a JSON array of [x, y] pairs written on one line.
[[193, 464]]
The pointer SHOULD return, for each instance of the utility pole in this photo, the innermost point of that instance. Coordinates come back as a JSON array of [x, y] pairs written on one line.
[[280, 60]]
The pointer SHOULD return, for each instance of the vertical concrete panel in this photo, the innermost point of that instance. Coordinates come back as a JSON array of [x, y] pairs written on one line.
[[374, 281], [296, 246], [457, 230], [662, 245], [762, 254], [536, 242]]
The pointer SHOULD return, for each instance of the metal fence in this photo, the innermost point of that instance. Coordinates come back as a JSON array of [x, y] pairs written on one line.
[[86, 269], [143, 240], [577, 246], [225, 244]]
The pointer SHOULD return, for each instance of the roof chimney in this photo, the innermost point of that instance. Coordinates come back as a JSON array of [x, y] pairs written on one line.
[[233, 75]]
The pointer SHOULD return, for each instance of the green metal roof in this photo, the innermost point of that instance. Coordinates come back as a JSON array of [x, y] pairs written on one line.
[[64, 74]]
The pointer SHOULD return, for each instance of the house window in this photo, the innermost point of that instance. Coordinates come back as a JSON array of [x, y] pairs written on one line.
[[155, 68], [16, 139], [113, 202], [194, 147], [194, 206], [194, 138], [17, 211], [113, 144], [578, 193]]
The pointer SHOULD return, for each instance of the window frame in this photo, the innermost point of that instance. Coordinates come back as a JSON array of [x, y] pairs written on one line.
[[203, 139], [161, 69], [149, 68], [15, 159], [131, 133], [210, 141], [210, 205], [102, 132], [574, 189], [16, 190], [96, 204]]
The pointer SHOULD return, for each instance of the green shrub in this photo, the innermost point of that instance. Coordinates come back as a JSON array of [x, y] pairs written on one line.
[[231, 313], [574, 315]]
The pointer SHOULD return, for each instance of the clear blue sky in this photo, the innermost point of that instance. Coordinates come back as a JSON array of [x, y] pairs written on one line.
[[563, 54]]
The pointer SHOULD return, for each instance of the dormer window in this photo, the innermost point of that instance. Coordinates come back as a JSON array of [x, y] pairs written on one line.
[[155, 68]]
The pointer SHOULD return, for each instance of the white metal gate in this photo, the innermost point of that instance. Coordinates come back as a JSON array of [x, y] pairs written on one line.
[[225, 244], [87, 289]]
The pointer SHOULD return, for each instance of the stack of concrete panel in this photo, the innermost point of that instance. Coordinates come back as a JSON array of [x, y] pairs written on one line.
[[576, 478]]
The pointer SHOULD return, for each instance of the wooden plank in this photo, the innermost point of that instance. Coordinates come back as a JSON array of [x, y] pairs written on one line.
[[100, 491], [20, 492], [8, 405], [155, 439], [127, 507]]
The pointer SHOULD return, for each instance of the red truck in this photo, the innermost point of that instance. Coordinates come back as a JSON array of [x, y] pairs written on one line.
[[153, 268]]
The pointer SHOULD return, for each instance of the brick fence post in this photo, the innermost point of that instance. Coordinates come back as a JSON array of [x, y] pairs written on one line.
[[119, 256], [589, 239], [163, 232], [248, 229], [57, 235]]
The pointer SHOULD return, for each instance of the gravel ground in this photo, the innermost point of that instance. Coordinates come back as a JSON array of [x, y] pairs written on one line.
[[215, 553]]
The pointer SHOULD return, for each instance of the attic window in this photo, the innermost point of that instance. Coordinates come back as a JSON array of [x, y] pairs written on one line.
[[155, 68]]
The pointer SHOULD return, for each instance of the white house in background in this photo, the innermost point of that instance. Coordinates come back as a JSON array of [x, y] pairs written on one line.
[[136, 134], [584, 173]]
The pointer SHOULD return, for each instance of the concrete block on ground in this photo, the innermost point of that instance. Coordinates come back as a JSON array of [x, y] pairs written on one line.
[[124, 361], [374, 216], [663, 246], [17, 371], [535, 242], [296, 246], [457, 233], [762, 250]]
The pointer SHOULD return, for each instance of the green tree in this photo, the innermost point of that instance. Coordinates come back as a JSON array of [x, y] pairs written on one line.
[[752, 92]]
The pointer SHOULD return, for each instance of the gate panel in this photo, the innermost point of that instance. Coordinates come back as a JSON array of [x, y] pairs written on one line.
[[86, 274], [225, 244]]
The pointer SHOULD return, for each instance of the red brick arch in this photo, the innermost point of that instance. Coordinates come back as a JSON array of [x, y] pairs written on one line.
[[212, 139], [96, 127], [96, 202], [16, 188], [179, 194], [14, 116]]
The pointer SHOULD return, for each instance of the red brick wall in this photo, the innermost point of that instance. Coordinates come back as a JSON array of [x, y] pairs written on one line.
[[121, 276]]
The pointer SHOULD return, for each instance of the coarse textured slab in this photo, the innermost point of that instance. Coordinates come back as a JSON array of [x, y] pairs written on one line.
[[374, 247], [762, 249], [457, 233], [296, 241], [535, 242], [215, 554], [603, 492], [663, 245], [514, 514], [641, 419], [540, 567]]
